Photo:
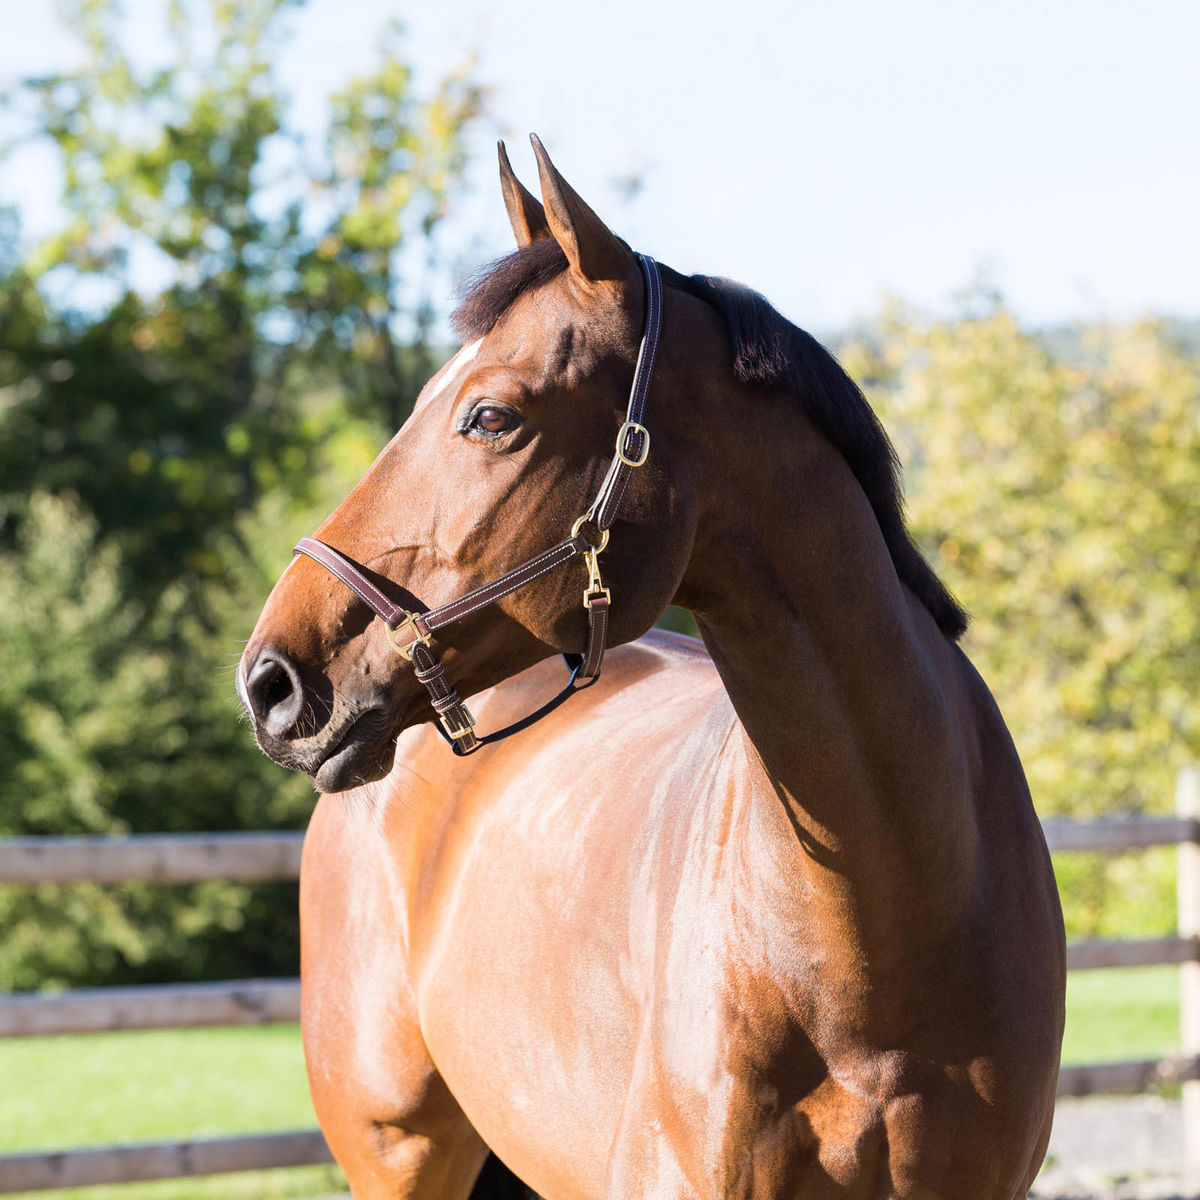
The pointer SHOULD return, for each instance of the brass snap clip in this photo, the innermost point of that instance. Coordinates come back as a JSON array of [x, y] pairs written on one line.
[[595, 585], [595, 589]]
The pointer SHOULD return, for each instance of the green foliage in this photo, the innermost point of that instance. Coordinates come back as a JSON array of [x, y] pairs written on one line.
[[171, 414], [116, 719], [75, 673], [161, 451], [1060, 498], [109, 727]]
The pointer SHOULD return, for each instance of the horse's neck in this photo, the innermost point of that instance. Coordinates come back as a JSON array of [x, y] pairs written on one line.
[[851, 698]]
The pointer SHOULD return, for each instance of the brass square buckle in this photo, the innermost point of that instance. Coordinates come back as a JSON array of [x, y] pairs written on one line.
[[405, 650], [623, 440], [459, 733]]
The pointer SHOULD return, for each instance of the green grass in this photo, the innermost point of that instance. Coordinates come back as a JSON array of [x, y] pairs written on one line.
[[169, 1084], [1123, 1014], [161, 1085], [297, 1182]]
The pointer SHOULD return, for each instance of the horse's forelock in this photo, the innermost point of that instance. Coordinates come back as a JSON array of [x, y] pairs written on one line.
[[489, 292]]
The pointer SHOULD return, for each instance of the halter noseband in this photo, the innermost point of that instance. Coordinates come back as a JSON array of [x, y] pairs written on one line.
[[410, 633]]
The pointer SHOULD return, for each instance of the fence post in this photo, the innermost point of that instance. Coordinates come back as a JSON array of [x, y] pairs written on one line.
[[1187, 804]]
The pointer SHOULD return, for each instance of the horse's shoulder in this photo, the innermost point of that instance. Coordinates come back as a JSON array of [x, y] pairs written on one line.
[[658, 667], [671, 659], [655, 688]]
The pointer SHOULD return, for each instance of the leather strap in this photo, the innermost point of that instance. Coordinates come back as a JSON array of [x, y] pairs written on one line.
[[424, 624], [593, 659], [489, 593], [633, 440], [352, 575], [454, 719], [455, 722]]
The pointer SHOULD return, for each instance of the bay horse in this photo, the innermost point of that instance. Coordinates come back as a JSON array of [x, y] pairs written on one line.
[[770, 916]]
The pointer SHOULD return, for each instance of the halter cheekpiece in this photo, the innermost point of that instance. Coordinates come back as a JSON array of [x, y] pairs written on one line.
[[410, 633]]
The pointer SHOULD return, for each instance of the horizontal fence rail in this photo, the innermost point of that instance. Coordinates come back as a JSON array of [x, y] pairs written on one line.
[[161, 1160], [1140, 1076], [272, 1001], [152, 858], [254, 857], [162, 1006], [1111, 834], [261, 857], [1091, 956]]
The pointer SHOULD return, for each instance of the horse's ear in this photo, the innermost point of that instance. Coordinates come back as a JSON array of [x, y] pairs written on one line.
[[592, 249], [525, 211]]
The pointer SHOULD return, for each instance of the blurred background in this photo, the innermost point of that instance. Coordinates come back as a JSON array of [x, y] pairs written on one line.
[[229, 235]]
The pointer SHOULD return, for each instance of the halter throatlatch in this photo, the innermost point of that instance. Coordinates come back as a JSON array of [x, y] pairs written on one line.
[[411, 633]]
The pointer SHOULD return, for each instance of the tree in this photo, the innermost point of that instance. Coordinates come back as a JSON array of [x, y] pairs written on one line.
[[161, 448], [1059, 495], [170, 414]]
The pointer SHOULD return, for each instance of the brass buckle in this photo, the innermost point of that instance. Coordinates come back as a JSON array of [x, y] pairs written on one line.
[[405, 651], [622, 436], [459, 734]]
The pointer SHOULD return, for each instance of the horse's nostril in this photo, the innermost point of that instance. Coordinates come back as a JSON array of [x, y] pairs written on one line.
[[274, 692], [277, 687]]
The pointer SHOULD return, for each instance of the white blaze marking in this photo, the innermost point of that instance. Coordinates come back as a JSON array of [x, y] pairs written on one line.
[[448, 376]]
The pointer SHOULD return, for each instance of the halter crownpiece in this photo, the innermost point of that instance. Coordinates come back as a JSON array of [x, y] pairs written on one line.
[[411, 633]]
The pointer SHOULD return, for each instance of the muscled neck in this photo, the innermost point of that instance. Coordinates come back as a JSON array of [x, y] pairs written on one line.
[[848, 693]]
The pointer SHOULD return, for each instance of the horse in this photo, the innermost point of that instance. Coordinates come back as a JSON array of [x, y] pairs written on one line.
[[765, 916]]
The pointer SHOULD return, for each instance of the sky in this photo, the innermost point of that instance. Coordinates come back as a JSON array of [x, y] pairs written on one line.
[[830, 153]]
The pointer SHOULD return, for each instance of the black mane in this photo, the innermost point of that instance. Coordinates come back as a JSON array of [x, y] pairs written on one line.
[[768, 351]]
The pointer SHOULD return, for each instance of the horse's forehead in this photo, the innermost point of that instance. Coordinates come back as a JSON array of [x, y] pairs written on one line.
[[542, 342], [448, 377]]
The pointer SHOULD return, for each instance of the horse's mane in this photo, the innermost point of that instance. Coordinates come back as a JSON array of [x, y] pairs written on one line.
[[770, 352]]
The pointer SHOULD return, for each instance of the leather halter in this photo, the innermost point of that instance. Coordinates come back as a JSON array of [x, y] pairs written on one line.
[[410, 633]]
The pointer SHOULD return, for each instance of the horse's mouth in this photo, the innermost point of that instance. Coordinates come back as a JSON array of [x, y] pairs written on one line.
[[362, 754]]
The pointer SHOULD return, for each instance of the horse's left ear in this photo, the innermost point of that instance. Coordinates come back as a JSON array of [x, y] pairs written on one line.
[[593, 251], [525, 213]]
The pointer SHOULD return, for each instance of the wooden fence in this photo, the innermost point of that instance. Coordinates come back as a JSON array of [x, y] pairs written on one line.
[[176, 858], [194, 858]]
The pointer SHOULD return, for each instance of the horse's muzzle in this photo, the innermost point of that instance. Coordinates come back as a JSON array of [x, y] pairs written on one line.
[[352, 745]]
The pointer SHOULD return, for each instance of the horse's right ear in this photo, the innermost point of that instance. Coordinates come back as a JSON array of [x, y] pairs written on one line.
[[593, 251], [525, 212]]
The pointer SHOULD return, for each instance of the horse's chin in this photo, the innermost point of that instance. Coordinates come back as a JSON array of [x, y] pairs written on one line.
[[353, 765], [359, 752], [363, 755]]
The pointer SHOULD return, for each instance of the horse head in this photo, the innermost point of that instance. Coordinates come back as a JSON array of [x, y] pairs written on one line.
[[506, 447]]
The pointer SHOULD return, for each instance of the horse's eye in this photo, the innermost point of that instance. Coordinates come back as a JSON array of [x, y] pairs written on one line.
[[493, 420]]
